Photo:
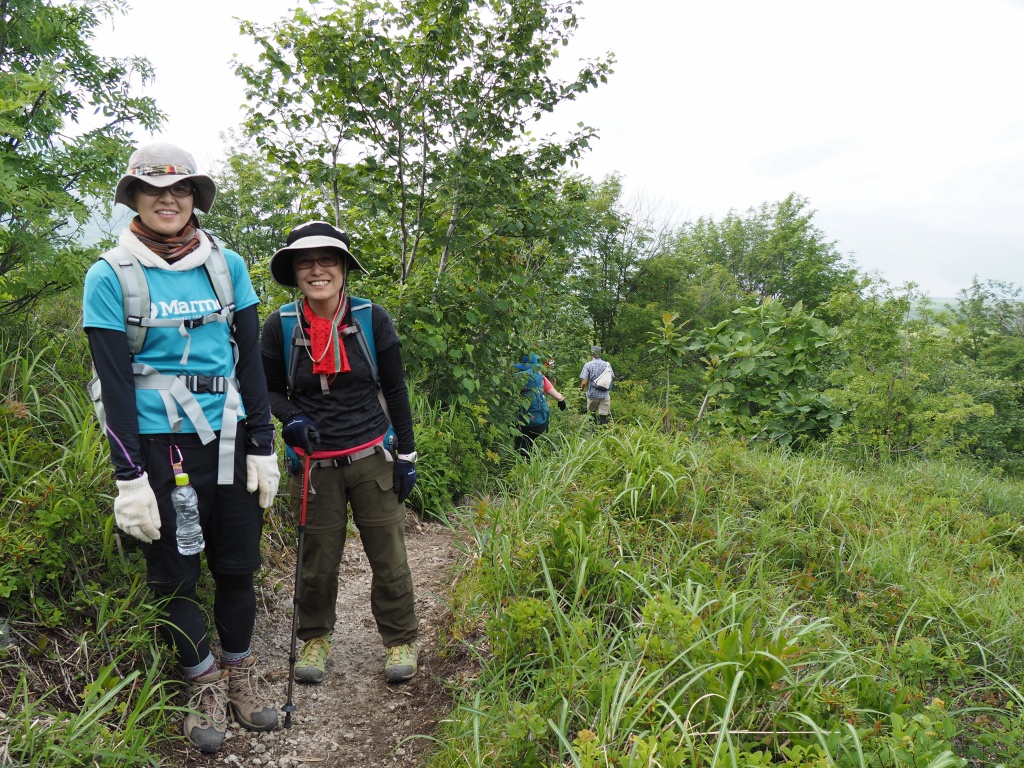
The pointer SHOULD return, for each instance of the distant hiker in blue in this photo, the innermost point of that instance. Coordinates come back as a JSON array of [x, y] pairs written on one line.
[[533, 420], [596, 378], [174, 335], [334, 369]]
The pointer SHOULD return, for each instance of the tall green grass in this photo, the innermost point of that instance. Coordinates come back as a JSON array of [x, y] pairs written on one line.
[[82, 681], [647, 600]]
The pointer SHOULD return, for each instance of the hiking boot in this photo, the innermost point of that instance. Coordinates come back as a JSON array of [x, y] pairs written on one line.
[[207, 726], [401, 663], [312, 663], [250, 713]]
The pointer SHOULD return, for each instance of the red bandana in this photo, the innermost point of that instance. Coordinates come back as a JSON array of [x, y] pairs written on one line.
[[326, 349]]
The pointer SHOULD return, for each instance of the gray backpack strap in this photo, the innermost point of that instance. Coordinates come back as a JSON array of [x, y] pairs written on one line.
[[220, 277], [134, 295]]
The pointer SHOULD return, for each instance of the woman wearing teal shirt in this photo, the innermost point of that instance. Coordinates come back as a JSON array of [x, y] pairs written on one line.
[[187, 389]]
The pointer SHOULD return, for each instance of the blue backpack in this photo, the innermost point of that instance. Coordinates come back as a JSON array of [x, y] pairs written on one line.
[[537, 412], [294, 338]]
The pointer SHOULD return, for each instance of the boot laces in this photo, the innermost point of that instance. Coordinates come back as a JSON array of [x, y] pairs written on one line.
[[210, 700], [244, 683]]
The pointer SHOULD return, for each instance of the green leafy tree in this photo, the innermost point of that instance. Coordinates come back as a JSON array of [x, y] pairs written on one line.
[[774, 252], [760, 368], [902, 384], [51, 85], [613, 240], [704, 294], [986, 326], [423, 108], [255, 209], [668, 343]]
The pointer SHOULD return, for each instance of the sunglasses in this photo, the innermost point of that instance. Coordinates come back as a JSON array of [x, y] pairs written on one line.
[[178, 189], [302, 263]]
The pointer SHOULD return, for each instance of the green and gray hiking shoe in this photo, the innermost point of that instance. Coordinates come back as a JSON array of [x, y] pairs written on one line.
[[312, 663], [207, 725], [244, 681], [401, 663]]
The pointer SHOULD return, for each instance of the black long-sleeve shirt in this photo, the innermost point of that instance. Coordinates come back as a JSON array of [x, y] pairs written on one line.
[[349, 415]]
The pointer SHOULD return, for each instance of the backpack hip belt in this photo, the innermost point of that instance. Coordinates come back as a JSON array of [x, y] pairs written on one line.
[[352, 458]]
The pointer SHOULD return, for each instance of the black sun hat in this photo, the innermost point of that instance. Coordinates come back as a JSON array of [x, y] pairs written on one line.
[[312, 234]]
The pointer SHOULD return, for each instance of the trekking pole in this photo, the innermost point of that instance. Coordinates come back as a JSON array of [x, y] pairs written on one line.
[[289, 707]]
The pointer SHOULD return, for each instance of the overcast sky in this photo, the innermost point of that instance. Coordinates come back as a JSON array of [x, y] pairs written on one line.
[[900, 120]]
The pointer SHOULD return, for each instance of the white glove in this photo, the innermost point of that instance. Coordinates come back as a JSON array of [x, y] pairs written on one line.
[[262, 474], [135, 509]]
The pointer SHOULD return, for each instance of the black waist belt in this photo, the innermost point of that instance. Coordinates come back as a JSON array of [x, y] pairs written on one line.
[[351, 458]]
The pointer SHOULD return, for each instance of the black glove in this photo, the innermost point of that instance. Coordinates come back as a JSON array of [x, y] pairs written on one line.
[[300, 432], [561, 404], [405, 478]]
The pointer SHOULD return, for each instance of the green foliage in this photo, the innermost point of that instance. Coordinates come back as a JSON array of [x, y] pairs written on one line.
[[759, 373], [253, 214], [669, 342], [51, 83], [774, 252], [431, 106], [457, 455], [702, 294], [65, 578], [611, 241], [657, 601], [54, 477], [986, 327], [117, 721], [902, 383]]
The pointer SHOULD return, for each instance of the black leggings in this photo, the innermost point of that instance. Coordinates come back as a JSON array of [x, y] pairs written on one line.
[[234, 612], [524, 440]]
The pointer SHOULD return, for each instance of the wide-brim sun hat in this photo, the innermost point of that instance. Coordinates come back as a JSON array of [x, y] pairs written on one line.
[[528, 363], [312, 234], [162, 165]]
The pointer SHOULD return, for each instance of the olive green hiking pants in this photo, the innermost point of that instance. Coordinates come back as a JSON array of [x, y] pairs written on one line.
[[367, 486]]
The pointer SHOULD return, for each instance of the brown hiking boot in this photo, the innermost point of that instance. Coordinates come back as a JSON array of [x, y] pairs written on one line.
[[207, 725], [243, 694]]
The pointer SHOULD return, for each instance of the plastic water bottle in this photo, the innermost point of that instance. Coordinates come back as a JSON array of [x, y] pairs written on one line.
[[186, 508]]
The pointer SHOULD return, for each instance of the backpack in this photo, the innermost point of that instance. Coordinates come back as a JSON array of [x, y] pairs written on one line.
[[537, 412], [604, 380], [293, 339], [178, 391]]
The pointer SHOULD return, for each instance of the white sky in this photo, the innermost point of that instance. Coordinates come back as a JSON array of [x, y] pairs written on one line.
[[900, 120]]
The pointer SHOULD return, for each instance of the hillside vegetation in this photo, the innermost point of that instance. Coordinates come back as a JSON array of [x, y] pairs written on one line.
[[798, 543], [635, 598], [651, 600]]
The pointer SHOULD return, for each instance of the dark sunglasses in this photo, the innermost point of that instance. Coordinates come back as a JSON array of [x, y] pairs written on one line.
[[306, 262], [178, 189]]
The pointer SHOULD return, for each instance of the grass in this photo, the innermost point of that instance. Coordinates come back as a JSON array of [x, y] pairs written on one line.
[[653, 601]]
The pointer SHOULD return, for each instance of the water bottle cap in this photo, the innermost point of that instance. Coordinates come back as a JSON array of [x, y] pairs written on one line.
[[181, 478]]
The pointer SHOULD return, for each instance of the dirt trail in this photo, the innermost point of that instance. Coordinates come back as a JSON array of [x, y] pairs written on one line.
[[353, 718]]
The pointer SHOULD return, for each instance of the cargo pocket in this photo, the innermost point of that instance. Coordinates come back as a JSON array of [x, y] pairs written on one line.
[[386, 482]]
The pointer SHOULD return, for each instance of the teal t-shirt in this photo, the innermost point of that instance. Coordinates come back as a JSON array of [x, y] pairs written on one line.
[[179, 295]]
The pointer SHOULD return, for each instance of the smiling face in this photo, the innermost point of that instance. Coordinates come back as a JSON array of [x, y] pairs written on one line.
[[160, 210], [320, 275]]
